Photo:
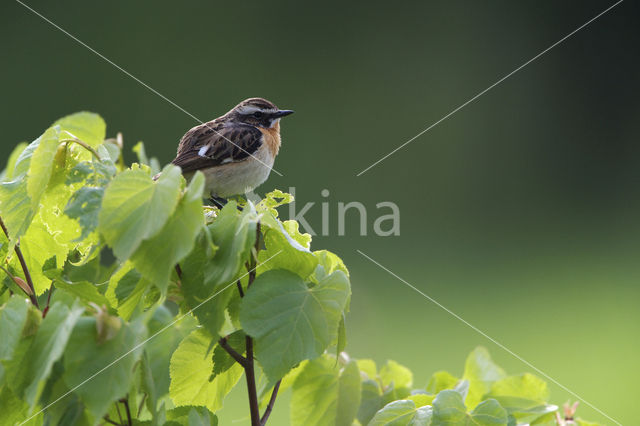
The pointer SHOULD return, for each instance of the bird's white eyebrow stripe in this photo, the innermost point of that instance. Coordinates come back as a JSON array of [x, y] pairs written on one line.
[[203, 151], [250, 109]]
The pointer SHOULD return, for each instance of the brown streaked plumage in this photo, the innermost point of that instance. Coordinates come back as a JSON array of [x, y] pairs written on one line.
[[236, 151]]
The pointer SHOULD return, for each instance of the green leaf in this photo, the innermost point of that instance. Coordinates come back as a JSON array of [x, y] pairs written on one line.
[[190, 370], [47, 347], [86, 291], [13, 410], [324, 395], [85, 361], [403, 413], [448, 409], [222, 361], [349, 394], [41, 165], [84, 206], [210, 267], [440, 381], [157, 256], [7, 173], [20, 197], [525, 385], [39, 245], [86, 126], [489, 412], [481, 372], [13, 317], [234, 233], [126, 289], [191, 416], [328, 263], [135, 208], [371, 399], [272, 200], [399, 375], [161, 347], [290, 321], [284, 249]]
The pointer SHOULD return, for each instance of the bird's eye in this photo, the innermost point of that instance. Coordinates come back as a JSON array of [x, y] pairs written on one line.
[[258, 114]]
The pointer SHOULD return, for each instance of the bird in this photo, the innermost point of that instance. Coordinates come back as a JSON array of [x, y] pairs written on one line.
[[236, 151]]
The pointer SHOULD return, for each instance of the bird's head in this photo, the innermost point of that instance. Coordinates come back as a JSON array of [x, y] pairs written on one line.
[[257, 112]]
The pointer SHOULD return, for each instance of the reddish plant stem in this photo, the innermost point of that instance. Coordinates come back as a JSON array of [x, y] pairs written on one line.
[[108, 420], [272, 401], [249, 370], [46, 308], [23, 264], [234, 354], [251, 385], [125, 402]]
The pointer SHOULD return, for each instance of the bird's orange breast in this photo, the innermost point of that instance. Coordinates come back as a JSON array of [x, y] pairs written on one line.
[[272, 138]]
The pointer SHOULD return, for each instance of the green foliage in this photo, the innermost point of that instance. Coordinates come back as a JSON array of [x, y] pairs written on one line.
[[137, 282], [290, 321]]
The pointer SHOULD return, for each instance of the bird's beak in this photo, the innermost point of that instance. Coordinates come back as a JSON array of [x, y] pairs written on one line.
[[282, 113]]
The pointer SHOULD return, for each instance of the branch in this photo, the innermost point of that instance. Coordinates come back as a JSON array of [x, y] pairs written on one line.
[[272, 400], [46, 308], [108, 420], [251, 385], [254, 259], [125, 402], [234, 354], [27, 275], [249, 368]]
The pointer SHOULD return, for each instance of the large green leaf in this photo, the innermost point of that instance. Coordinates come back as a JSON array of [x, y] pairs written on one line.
[[523, 396], [396, 374], [191, 366], [481, 372], [101, 373], [160, 348], [13, 317], [135, 208], [234, 233], [441, 380], [41, 165], [157, 256], [449, 409], [324, 394], [86, 126], [47, 347], [349, 394], [7, 173], [403, 413], [20, 197], [524, 385], [39, 245], [217, 260], [13, 410], [190, 416], [126, 289], [288, 244], [290, 321]]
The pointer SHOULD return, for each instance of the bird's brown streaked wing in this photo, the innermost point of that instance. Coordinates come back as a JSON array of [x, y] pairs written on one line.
[[209, 146]]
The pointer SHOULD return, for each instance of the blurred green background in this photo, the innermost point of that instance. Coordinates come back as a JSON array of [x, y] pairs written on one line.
[[520, 212]]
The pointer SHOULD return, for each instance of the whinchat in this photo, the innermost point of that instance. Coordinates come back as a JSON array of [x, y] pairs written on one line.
[[236, 151]]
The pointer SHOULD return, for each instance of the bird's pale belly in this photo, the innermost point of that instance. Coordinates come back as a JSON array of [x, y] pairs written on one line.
[[241, 177]]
